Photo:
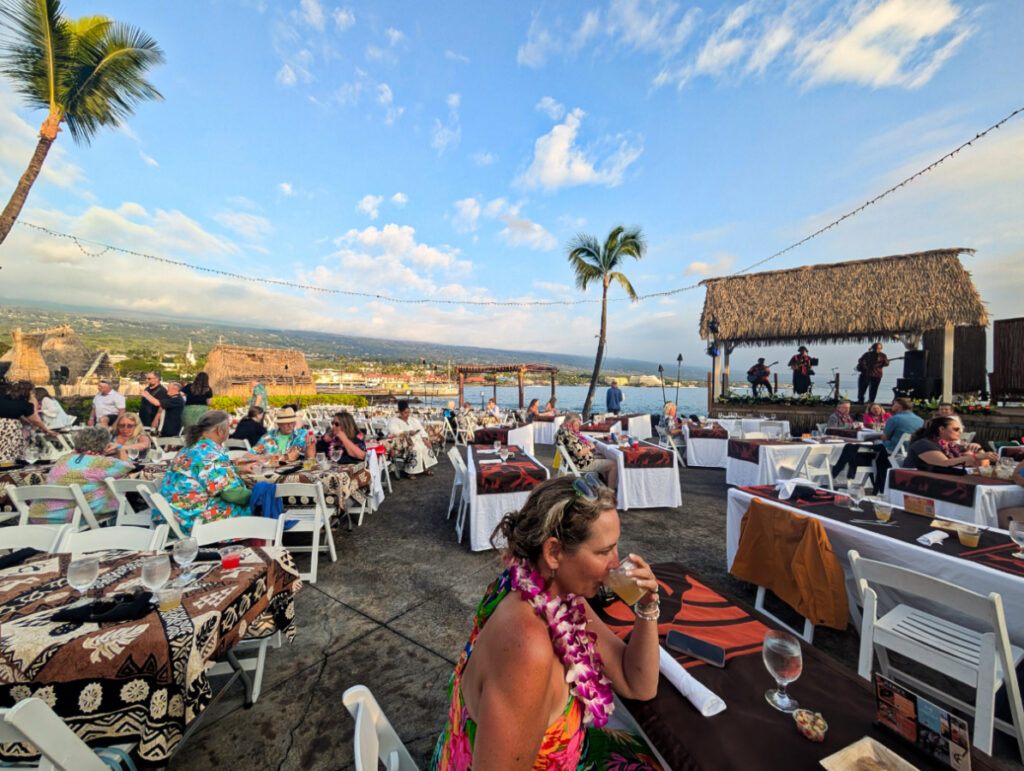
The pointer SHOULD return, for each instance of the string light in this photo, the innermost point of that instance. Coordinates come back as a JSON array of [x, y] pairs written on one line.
[[81, 242]]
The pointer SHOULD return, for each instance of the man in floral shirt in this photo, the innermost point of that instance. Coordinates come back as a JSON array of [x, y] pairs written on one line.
[[288, 441]]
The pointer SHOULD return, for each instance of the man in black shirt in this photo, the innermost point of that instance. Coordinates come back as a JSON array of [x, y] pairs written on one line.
[[149, 410]]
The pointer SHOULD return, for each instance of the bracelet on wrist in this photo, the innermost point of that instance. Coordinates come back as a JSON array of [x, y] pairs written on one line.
[[650, 611]]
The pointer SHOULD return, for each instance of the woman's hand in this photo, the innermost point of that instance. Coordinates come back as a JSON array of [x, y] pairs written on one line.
[[644, 578], [110, 449]]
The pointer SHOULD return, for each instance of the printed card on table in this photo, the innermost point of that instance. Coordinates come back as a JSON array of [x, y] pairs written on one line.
[[934, 730], [924, 507]]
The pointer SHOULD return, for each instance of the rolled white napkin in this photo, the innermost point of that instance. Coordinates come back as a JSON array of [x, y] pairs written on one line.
[[696, 693], [486, 462], [932, 538], [786, 488]]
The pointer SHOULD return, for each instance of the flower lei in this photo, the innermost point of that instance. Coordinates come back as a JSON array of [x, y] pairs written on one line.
[[566, 618]]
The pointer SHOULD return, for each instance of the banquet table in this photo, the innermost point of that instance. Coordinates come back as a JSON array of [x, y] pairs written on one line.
[[139, 680], [496, 488], [860, 434], [706, 446], [749, 734], [648, 475], [520, 435], [545, 427], [757, 461], [738, 426], [966, 498], [636, 425], [988, 568]]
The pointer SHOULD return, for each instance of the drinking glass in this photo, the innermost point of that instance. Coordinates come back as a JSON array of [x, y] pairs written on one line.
[[31, 454], [497, 445], [321, 460], [784, 660], [155, 572], [503, 453], [1016, 528], [82, 573], [335, 453], [185, 551], [624, 586], [856, 493], [132, 453]]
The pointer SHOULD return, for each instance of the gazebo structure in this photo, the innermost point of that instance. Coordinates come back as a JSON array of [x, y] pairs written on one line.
[[898, 297], [493, 369]]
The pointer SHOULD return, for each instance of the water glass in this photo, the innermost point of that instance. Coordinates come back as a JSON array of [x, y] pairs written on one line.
[[132, 453], [503, 454], [155, 571], [82, 573], [784, 660], [1016, 528], [497, 445]]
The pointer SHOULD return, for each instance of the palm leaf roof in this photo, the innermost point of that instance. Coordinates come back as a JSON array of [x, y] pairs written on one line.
[[860, 300]]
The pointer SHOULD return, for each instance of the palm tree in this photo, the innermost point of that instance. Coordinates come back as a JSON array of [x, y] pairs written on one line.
[[591, 261], [86, 73]]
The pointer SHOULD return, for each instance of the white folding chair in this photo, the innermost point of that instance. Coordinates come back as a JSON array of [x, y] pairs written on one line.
[[774, 428], [237, 444], [816, 466], [755, 435], [126, 515], [985, 661], [822, 428], [899, 452], [669, 442], [42, 537], [24, 497], [163, 509], [463, 431], [459, 486], [310, 519], [32, 722], [374, 740], [123, 537], [967, 437], [565, 464]]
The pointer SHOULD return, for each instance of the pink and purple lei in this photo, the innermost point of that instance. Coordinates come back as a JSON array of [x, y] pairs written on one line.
[[566, 618]]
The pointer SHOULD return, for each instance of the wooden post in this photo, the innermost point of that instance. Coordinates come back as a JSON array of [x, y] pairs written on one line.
[[552, 385], [775, 376], [462, 383], [494, 386], [947, 364], [726, 350], [838, 397], [521, 371], [716, 369], [711, 381]]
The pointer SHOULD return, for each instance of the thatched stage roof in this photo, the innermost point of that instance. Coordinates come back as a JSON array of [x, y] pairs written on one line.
[[861, 300]]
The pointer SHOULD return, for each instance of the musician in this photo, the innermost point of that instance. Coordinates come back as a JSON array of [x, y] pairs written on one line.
[[801, 365], [870, 367], [757, 376]]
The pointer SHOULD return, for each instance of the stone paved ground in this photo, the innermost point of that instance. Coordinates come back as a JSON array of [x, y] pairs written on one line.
[[394, 612]]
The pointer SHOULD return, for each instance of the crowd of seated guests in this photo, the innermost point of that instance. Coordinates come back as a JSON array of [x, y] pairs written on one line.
[[936, 447], [17, 417], [288, 441]]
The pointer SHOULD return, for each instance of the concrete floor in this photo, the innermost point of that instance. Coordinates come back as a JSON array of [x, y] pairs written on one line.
[[394, 612]]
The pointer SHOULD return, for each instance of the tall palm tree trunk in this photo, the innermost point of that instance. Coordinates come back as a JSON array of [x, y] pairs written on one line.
[[600, 353], [13, 208]]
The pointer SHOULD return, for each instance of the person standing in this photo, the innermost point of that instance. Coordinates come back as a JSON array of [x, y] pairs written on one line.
[[107, 405], [613, 399], [149, 409], [870, 367], [801, 366], [172, 405], [757, 376], [259, 395], [198, 396]]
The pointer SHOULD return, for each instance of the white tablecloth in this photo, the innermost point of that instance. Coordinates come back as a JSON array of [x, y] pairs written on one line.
[[876, 545], [735, 425], [644, 488], [770, 457], [486, 511], [522, 437], [988, 499], [544, 432], [640, 426], [706, 452]]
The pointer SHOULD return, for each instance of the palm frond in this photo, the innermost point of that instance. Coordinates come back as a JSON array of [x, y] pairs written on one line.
[[584, 271], [36, 41], [621, 280]]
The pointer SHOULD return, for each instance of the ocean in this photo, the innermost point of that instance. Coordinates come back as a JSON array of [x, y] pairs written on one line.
[[639, 400]]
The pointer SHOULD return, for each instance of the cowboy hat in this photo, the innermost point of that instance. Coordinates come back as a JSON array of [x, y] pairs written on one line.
[[287, 415]]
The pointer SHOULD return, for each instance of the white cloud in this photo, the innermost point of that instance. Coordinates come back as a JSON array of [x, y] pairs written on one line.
[[483, 158], [312, 13], [448, 134], [553, 109], [719, 267], [250, 226], [386, 98], [344, 18], [545, 39], [455, 57], [587, 30], [651, 25], [558, 162], [394, 36], [399, 242], [399, 199], [148, 160], [286, 188], [562, 289], [524, 232], [286, 76], [539, 43], [369, 204], [467, 212]]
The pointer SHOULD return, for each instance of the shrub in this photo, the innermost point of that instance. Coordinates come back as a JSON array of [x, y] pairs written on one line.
[[230, 403]]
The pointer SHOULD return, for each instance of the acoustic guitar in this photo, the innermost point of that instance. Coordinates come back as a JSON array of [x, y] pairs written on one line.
[[752, 378]]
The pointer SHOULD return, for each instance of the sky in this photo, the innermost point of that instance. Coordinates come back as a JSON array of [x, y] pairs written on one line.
[[450, 152]]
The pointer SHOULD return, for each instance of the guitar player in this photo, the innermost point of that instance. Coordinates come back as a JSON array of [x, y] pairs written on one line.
[[758, 376]]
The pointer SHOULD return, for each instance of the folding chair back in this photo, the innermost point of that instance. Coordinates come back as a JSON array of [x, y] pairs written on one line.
[[163, 509], [42, 537], [375, 739], [459, 487], [983, 660], [23, 498], [237, 444], [33, 722], [899, 452], [566, 466], [816, 465], [310, 519], [126, 515], [123, 537], [235, 528]]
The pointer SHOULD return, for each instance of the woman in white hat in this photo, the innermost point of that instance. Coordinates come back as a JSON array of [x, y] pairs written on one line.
[[287, 441]]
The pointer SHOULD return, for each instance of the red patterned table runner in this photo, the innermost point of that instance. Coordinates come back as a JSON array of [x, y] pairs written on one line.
[[715, 432], [492, 434], [646, 456], [999, 558], [959, 490], [519, 473], [750, 449], [849, 433]]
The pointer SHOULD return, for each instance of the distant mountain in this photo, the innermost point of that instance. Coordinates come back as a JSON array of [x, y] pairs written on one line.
[[130, 333]]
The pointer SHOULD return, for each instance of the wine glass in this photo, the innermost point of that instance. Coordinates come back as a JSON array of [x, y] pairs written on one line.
[[82, 573], [1016, 528], [503, 454], [497, 445], [784, 660], [132, 453], [31, 454], [185, 551], [155, 572], [856, 492]]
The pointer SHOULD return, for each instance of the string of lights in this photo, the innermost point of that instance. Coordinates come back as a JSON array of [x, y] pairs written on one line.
[[103, 248]]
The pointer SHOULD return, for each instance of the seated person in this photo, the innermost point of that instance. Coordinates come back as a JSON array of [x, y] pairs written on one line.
[[935, 447], [50, 410], [344, 440], [1016, 513], [669, 423], [581, 450], [841, 417], [875, 417], [86, 467], [417, 458], [759, 376], [492, 409], [903, 421], [17, 412], [448, 413], [288, 442], [251, 427], [202, 483], [128, 435], [549, 409], [532, 410]]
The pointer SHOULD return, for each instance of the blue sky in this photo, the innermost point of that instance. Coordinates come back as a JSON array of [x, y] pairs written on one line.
[[450, 151]]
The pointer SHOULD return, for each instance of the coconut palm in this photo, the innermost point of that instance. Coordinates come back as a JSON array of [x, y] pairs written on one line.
[[86, 73], [592, 261]]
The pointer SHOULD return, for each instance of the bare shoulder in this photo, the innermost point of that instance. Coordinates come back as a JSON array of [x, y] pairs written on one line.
[[518, 635]]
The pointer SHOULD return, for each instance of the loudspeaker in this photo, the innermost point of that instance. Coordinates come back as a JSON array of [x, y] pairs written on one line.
[[919, 388], [915, 365]]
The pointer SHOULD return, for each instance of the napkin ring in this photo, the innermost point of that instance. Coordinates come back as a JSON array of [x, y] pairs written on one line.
[[650, 611]]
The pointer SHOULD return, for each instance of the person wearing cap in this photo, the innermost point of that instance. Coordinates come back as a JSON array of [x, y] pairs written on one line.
[[418, 457], [801, 366], [287, 441]]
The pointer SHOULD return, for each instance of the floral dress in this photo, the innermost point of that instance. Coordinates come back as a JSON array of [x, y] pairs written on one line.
[[568, 744], [197, 474], [270, 445]]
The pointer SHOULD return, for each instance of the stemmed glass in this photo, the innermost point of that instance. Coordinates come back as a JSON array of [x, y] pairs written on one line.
[[784, 660], [856, 493], [185, 551], [497, 445], [155, 572], [82, 573], [503, 454], [335, 453], [132, 453], [1016, 528], [31, 454]]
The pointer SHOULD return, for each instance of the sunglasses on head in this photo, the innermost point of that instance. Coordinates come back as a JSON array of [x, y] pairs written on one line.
[[587, 486]]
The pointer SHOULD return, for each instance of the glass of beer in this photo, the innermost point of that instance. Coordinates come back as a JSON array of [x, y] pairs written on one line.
[[625, 586]]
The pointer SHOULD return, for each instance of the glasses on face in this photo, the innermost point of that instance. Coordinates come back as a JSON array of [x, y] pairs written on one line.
[[336, 423], [956, 429]]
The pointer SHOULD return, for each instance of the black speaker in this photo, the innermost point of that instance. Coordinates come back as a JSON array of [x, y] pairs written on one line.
[[915, 365], [919, 388]]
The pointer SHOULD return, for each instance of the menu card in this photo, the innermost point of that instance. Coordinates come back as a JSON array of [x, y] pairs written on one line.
[[933, 730]]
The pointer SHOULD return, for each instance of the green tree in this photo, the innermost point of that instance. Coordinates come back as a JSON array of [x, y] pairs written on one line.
[[593, 261], [87, 73]]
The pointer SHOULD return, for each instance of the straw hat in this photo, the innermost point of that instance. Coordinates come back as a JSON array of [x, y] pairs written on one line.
[[287, 415]]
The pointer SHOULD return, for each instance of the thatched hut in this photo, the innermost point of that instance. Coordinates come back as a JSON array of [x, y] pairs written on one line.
[[897, 297], [56, 356], [283, 371]]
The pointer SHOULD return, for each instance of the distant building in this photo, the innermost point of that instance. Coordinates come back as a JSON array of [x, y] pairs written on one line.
[[283, 371], [56, 356], [190, 356]]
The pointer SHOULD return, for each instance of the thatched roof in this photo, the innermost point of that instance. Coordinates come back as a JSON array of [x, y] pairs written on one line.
[[281, 370], [861, 300], [36, 355]]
